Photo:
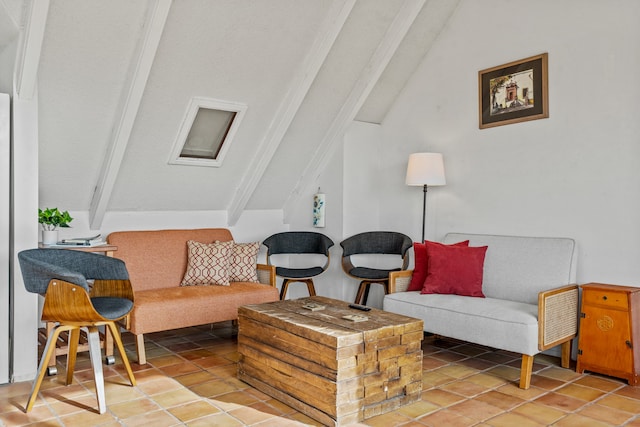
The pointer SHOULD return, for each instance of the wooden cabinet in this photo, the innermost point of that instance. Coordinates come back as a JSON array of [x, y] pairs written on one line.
[[609, 340]]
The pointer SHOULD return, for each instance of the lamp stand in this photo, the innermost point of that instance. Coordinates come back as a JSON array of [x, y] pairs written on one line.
[[424, 209]]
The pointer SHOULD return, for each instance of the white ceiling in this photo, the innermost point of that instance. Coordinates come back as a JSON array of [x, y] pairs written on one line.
[[111, 103]]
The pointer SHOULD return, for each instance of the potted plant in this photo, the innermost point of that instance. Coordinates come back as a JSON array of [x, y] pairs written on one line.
[[50, 219]]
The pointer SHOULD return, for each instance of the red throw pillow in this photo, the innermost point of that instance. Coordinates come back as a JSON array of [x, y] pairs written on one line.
[[455, 270], [421, 255]]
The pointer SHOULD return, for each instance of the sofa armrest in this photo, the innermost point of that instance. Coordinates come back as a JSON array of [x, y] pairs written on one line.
[[557, 316], [399, 281], [267, 274]]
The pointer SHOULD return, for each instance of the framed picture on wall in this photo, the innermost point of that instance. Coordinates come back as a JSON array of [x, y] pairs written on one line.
[[514, 92]]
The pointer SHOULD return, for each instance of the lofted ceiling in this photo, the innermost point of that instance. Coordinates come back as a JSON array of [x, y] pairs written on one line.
[[115, 80]]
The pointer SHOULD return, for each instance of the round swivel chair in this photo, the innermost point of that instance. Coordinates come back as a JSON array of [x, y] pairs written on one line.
[[298, 242], [368, 243]]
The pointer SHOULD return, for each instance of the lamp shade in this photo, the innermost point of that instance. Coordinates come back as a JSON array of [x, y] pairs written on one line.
[[425, 169]]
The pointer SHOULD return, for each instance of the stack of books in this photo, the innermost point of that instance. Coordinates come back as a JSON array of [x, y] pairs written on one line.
[[82, 241]]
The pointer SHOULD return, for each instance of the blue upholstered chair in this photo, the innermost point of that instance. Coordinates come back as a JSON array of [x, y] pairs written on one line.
[[298, 242], [63, 277], [373, 243]]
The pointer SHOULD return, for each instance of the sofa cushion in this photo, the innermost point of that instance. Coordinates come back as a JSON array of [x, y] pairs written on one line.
[[455, 270], [242, 262], [421, 257], [207, 264], [183, 306], [507, 325]]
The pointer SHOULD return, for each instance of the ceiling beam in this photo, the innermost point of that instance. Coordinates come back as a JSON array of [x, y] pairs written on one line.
[[358, 95], [306, 74], [30, 45], [131, 98]]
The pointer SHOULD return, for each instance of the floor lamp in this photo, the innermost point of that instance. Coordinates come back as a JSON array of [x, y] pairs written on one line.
[[425, 169]]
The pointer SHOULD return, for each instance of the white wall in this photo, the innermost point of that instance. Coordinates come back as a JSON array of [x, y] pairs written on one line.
[[25, 234], [574, 174], [331, 283]]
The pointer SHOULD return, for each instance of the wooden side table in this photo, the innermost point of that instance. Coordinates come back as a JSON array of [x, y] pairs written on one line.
[[609, 340], [62, 347]]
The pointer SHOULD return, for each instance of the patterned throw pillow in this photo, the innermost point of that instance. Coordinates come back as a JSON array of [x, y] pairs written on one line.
[[242, 262], [208, 264]]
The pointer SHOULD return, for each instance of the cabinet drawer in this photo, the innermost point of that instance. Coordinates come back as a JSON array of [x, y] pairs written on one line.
[[606, 298]]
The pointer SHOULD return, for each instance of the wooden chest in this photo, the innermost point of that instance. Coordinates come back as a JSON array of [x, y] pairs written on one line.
[[336, 371], [610, 331]]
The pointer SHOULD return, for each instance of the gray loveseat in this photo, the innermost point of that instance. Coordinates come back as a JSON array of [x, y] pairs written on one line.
[[531, 301]]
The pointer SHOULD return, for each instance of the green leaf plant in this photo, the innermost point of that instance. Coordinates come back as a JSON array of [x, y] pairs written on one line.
[[52, 218]]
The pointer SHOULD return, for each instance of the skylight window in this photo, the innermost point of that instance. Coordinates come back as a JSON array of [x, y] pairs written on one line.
[[206, 132]]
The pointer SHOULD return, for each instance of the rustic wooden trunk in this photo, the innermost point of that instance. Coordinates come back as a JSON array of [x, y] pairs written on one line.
[[334, 370]]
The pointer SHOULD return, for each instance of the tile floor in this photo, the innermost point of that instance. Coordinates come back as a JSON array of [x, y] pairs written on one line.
[[190, 379]]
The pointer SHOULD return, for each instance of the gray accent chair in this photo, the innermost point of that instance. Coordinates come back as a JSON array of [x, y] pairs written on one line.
[[298, 242], [368, 243], [63, 277]]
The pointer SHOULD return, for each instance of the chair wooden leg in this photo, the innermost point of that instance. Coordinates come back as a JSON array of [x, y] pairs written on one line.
[[366, 293], [142, 353], [72, 353], [93, 336], [363, 285], [108, 347], [118, 341], [52, 369], [283, 290], [310, 287], [525, 371], [50, 349]]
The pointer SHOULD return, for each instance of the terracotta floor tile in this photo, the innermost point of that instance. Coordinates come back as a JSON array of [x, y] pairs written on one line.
[[175, 398], [86, 418], [629, 391], [546, 382], [155, 419], [511, 419], [475, 409], [464, 388], [500, 400], [486, 380], [180, 369], [212, 388], [513, 390], [133, 407], [418, 409], [539, 413], [561, 402], [161, 385], [441, 398], [457, 371], [575, 420], [19, 418], [193, 410], [447, 418], [386, 420], [604, 384], [218, 420], [620, 402], [606, 414], [580, 392], [429, 363], [194, 378], [561, 374]]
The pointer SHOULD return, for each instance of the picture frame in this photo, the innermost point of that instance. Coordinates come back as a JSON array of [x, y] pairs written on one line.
[[514, 92]]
